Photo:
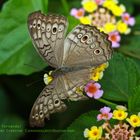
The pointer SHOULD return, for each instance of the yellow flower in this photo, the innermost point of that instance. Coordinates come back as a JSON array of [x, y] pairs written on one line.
[[120, 113], [48, 78], [97, 74], [118, 10], [86, 133], [93, 134], [85, 20], [112, 5], [122, 27], [109, 27], [120, 107], [89, 5], [101, 29], [109, 4], [134, 120], [103, 66]]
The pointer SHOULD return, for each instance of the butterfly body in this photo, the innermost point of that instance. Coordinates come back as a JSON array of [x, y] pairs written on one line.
[[73, 58], [65, 70]]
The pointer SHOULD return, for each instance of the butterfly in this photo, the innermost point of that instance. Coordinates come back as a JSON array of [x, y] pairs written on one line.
[[73, 57]]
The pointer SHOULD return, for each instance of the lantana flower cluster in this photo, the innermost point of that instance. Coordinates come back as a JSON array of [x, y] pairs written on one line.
[[92, 88], [122, 129], [107, 15]]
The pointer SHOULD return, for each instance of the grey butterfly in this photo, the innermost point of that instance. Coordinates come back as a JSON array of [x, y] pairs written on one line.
[[73, 57]]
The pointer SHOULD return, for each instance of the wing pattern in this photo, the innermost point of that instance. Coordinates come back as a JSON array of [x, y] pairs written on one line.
[[85, 45], [47, 33]]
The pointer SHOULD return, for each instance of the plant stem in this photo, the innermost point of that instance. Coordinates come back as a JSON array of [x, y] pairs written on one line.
[[130, 54], [112, 105]]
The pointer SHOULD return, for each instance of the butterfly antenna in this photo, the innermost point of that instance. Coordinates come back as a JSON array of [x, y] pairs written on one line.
[[29, 65], [33, 83]]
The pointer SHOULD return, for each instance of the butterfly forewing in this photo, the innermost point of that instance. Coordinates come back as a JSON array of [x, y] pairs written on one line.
[[47, 33], [86, 46]]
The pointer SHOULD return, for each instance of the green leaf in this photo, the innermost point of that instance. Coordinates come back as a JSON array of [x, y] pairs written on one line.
[[119, 78], [134, 101], [76, 129], [137, 18], [72, 22], [131, 47], [136, 2], [65, 6], [16, 48]]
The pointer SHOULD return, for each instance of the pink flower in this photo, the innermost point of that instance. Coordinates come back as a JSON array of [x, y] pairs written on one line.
[[128, 19], [105, 114], [99, 2], [77, 13], [115, 38], [92, 89]]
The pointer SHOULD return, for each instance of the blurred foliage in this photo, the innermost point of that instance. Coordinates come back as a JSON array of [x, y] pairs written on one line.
[[7, 117], [134, 100], [120, 82]]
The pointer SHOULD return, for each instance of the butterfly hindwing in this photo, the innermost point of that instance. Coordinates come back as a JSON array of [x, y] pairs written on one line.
[[47, 33], [51, 98], [74, 80], [48, 102]]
